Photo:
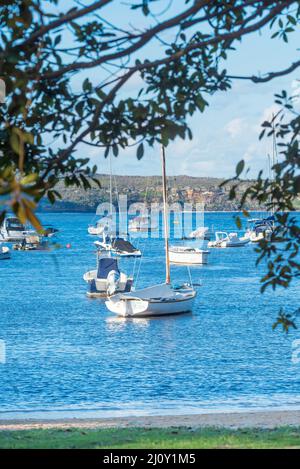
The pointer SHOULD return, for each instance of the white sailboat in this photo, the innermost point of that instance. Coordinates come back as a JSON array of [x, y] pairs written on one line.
[[156, 300], [262, 228]]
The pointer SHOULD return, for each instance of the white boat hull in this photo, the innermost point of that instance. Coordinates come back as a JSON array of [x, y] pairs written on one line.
[[255, 238], [202, 232], [225, 240], [13, 236], [141, 308], [188, 257], [96, 231], [228, 244], [132, 305]]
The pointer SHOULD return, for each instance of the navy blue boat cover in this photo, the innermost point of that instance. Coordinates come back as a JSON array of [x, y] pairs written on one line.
[[123, 245], [106, 265]]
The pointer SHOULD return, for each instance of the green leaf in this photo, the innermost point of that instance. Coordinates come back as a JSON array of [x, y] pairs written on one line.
[[140, 151], [240, 168], [115, 149], [292, 19], [87, 86]]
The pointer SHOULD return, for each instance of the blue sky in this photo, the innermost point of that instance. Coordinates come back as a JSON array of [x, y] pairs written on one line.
[[228, 130]]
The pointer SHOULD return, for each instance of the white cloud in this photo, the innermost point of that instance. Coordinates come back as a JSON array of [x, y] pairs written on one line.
[[235, 127], [269, 112]]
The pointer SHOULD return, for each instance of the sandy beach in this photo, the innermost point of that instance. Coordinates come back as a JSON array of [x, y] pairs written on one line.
[[234, 420]]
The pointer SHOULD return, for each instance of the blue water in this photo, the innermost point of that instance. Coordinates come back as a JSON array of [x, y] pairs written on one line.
[[67, 355]]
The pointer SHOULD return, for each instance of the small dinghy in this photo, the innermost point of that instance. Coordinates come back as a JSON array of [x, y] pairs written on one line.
[[228, 240], [4, 253], [188, 255], [106, 279]]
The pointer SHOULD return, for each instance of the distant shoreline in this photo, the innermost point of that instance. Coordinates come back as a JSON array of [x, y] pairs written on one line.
[[239, 419], [205, 211]]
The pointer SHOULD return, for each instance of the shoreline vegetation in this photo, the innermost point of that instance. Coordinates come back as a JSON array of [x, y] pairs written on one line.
[[147, 189], [264, 429]]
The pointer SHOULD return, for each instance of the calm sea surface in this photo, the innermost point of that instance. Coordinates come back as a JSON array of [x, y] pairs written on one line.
[[66, 355]]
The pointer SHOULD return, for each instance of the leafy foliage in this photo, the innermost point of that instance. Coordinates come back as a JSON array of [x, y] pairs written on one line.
[[280, 194], [53, 105]]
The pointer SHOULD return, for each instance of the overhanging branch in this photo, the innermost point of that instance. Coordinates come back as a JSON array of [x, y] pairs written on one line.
[[269, 76]]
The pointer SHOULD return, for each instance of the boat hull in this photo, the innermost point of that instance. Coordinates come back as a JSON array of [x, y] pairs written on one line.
[[4, 254], [189, 258], [12, 237], [133, 308], [97, 288], [95, 231]]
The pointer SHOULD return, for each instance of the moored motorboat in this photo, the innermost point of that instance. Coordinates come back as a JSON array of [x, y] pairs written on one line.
[[260, 228], [104, 224], [228, 240], [12, 230], [202, 232], [141, 223], [106, 279], [188, 255]]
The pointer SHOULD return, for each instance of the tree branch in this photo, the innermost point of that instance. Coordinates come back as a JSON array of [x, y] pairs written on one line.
[[269, 76], [146, 37], [222, 37], [62, 20], [122, 80], [108, 99]]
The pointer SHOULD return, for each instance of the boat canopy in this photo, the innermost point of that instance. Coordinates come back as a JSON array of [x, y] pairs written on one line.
[[106, 265], [262, 221], [14, 224], [123, 245]]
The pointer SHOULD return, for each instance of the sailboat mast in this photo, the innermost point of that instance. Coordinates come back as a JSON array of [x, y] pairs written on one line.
[[110, 184], [274, 156], [166, 227]]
